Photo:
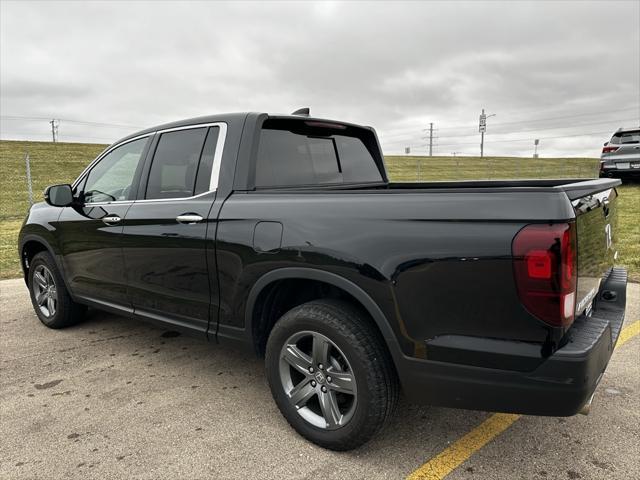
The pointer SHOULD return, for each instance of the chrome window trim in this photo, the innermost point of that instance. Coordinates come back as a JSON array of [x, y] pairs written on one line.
[[101, 204], [215, 168], [151, 200]]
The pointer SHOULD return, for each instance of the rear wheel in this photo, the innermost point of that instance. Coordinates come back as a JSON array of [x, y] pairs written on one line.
[[51, 300], [330, 374]]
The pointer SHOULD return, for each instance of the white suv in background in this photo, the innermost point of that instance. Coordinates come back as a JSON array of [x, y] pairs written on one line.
[[621, 155]]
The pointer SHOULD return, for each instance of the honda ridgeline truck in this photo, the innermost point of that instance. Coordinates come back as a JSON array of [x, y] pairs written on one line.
[[283, 233]]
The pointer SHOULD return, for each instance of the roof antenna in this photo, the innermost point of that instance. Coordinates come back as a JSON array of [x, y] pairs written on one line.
[[304, 112]]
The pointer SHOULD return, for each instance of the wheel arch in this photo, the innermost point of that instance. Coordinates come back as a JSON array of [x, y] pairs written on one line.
[[267, 281], [32, 244]]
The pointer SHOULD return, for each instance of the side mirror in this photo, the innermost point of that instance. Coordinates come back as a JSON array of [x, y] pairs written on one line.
[[606, 143], [59, 195]]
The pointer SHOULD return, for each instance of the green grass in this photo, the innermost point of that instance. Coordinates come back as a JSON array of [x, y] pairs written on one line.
[[402, 169], [62, 162], [628, 234], [50, 164]]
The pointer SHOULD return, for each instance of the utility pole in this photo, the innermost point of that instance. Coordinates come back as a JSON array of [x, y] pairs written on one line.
[[482, 129], [431, 139], [54, 129]]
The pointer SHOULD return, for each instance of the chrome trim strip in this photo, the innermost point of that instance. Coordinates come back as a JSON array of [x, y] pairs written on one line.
[[151, 200], [215, 169], [99, 204], [217, 157]]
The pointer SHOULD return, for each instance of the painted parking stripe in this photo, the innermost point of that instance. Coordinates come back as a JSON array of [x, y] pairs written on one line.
[[457, 453], [628, 333], [453, 456]]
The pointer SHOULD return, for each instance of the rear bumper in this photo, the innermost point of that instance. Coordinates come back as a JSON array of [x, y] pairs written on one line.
[[620, 168], [558, 386], [617, 173]]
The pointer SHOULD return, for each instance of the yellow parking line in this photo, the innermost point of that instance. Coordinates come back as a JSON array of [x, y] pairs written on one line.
[[456, 454], [453, 456], [628, 333]]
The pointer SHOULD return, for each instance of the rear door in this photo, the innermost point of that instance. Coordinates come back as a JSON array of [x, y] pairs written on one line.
[[165, 230]]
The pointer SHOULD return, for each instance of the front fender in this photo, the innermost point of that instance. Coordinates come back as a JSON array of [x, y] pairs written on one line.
[[39, 226]]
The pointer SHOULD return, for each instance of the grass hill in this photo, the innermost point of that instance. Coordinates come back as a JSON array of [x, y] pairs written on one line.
[[53, 163]]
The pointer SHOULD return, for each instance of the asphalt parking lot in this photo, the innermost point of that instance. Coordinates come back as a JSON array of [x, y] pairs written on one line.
[[115, 398]]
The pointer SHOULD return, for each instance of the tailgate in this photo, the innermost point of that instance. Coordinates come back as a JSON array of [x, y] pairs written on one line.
[[596, 219]]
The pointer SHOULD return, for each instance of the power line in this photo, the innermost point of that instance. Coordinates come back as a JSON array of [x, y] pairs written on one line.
[[567, 116], [515, 139], [542, 129], [528, 139], [542, 119], [397, 142], [68, 120], [48, 136], [529, 130]]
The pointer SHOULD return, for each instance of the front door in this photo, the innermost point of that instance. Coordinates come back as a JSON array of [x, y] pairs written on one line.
[[90, 231], [165, 230]]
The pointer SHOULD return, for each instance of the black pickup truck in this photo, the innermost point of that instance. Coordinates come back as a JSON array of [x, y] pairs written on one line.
[[283, 233]]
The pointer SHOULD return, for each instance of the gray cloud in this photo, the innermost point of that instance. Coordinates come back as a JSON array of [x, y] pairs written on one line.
[[393, 65]]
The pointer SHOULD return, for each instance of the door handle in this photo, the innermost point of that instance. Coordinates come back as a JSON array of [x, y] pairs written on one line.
[[189, 218], [111, 219]]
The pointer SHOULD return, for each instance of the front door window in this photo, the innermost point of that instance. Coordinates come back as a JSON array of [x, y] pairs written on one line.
[[111, 179]]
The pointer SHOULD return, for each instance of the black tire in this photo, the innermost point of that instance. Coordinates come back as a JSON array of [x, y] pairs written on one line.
[[66, 312], [354, 337]]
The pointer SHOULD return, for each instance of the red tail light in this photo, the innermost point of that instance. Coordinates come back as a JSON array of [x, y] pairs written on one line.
[[544, 263], [609, 149]]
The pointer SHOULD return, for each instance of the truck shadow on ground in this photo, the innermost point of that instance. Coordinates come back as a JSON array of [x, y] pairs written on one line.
[[235, 381]]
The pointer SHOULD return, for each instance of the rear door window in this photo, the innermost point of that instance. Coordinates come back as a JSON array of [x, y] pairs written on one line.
[[175, 164]]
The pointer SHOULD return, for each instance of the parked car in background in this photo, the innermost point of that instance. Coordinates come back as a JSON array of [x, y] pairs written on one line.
[[621, 155]]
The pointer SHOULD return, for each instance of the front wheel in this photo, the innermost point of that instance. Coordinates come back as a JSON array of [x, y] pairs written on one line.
[[51, 300], [331, 374]]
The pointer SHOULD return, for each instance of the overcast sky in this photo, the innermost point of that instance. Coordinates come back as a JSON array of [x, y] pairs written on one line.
[[545, 68]]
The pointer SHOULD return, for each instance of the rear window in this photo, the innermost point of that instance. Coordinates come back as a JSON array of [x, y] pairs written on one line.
[[295, 153], [626, 137], [175, 164]]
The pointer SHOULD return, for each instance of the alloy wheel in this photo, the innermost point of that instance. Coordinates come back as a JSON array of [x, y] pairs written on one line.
[[44, 291], [318, 380]]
